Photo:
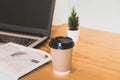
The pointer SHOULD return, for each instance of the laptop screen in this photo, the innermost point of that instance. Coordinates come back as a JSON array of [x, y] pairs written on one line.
[[28, 16]]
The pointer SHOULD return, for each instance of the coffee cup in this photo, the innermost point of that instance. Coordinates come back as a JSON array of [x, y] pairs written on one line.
[[61, 50]]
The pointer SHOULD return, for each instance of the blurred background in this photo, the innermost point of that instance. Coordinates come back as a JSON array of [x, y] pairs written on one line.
[[96, 14]]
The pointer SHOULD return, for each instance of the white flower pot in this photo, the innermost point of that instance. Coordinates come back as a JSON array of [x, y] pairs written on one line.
[[74, 34]]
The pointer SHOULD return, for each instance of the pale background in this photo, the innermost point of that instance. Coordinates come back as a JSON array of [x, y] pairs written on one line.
[[97, 14]]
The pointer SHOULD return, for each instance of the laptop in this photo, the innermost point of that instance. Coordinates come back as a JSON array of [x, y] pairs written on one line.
[[26, 22]]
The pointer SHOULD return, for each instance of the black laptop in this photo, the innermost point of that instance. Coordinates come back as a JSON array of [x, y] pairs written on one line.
[[26, 22]]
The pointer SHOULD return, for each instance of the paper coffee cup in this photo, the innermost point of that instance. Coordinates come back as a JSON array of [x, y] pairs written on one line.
[[61, 50]]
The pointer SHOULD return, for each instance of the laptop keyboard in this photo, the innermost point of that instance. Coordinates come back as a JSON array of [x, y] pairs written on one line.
[[19, 40]]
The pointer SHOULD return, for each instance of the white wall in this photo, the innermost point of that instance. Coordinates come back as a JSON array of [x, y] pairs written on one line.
[[101, 14], [98, 14], [60, 13]]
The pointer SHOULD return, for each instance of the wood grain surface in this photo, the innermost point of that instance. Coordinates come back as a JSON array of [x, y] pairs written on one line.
[[96, 56]]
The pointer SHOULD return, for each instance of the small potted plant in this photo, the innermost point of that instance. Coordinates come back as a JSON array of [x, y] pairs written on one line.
[[73, 26]]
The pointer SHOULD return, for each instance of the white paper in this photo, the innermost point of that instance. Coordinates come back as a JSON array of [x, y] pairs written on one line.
[[17, 60]]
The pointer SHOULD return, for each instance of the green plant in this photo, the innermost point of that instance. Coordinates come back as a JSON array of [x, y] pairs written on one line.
[[73, 20]]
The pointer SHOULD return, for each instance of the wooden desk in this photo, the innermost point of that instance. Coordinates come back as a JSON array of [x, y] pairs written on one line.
[[96, 56]]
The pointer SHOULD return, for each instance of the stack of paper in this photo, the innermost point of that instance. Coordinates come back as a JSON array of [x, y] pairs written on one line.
[[17, 60]]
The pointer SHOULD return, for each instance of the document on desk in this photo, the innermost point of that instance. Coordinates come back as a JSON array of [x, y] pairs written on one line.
[[17, 60]]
